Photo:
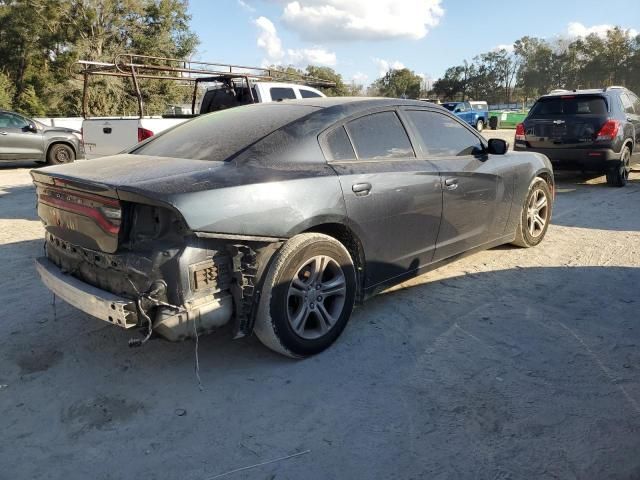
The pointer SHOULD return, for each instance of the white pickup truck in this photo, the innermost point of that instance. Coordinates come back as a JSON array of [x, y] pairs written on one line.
[[105, 136]]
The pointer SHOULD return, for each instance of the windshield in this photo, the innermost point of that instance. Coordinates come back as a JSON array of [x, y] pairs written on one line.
[[569, 105], [450, 106], [218, 136]]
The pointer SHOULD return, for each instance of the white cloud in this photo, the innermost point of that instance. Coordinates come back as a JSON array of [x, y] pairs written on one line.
[[359, 78], [311, 56], [245, 6], [330, 20], [577, 29], [384, 65], [504, 46], [268, 39], [275, 53]]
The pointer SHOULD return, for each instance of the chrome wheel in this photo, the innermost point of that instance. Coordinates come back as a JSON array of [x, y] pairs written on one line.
[[316, 297], [537, 213]]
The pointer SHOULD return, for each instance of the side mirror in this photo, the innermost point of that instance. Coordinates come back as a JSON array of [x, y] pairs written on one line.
[[32, 127], [497, 146], [457, 110]]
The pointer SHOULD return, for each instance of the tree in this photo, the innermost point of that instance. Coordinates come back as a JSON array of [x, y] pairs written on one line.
[[329, 74], [402, 83], [6, 91], [40, 41]]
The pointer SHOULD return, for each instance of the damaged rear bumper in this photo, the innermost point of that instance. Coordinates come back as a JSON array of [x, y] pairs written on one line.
[[196, 317], [92, 301]]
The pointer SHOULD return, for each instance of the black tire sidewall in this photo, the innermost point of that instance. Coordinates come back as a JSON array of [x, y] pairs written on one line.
[[533, 241], [278, 304], [51, 156]]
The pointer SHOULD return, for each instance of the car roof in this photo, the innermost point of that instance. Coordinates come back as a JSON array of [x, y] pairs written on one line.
[[335, 108], [590, 91]]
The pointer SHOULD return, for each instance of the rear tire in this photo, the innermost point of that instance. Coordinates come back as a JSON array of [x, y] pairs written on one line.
[[535, 215], [307, 296], [60, 153], [617, 177], [480, 125]]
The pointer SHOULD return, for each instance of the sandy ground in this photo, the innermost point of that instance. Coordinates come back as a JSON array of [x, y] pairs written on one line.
[[508, 364]]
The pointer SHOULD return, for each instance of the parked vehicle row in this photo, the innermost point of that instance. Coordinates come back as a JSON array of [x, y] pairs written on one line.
[[475, 114], [22, 138], [588, 130], [279, 217]]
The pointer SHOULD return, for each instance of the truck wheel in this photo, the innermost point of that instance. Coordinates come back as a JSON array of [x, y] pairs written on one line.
[[60, 153], [480, 125], [535, 216], [307, 296], [618, 176]]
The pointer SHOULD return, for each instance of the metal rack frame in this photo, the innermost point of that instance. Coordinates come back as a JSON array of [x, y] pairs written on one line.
[[136, 67]]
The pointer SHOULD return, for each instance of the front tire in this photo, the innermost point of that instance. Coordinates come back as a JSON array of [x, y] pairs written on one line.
[[480, 125], [535, 216], [307, 296], [60, 153], [617, 177]]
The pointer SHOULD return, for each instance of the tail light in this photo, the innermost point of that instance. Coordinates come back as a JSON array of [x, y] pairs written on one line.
[[609, 130], [144, 133], [520, 132]]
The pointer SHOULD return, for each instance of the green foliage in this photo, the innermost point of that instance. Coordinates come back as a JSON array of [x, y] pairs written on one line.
[[537, 66], [6, 91], [402, 83], [40, 41]]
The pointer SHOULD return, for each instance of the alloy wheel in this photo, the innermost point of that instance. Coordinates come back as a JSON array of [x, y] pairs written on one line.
[[537, 213], [316, 297]]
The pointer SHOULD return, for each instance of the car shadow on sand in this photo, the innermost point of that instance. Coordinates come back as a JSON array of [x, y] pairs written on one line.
[[519, 360]]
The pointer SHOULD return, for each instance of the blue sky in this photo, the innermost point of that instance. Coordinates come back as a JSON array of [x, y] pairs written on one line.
[[362, 38]]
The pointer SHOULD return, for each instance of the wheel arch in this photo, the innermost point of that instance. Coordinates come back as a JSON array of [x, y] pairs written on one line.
[[347, 237], [55, 142]]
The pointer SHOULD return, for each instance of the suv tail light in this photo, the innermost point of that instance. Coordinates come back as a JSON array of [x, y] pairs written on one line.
[[609, 130], [143, 134], [520, 132]]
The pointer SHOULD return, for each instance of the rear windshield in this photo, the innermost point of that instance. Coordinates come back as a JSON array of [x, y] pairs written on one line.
[[218, 136], [480, 106], [569, 105]]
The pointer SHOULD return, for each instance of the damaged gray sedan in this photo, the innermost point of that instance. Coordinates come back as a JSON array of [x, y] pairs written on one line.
[[280, 217]]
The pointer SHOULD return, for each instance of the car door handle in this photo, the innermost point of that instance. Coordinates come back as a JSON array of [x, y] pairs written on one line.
[[4, 133], [361, 189], [451, 183]]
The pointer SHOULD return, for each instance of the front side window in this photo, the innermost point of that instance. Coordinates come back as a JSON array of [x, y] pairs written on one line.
[[380, 136], [9, 120], [443, 136], [280, 93]]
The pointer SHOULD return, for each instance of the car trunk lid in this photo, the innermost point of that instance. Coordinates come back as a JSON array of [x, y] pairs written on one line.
[[85, 203]]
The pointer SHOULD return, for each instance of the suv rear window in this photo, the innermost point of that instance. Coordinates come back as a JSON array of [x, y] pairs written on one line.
[[218, 136], [569, 105]]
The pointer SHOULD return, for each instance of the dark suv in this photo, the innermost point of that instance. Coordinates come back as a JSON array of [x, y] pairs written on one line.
[[588, 130]]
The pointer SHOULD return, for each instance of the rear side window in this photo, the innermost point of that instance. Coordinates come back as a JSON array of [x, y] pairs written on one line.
[[636, 102], [308, 94], [218, 136], [279, 93], [380, 136], [627, 103], [443, 136], [569, 105], [338, 145]]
